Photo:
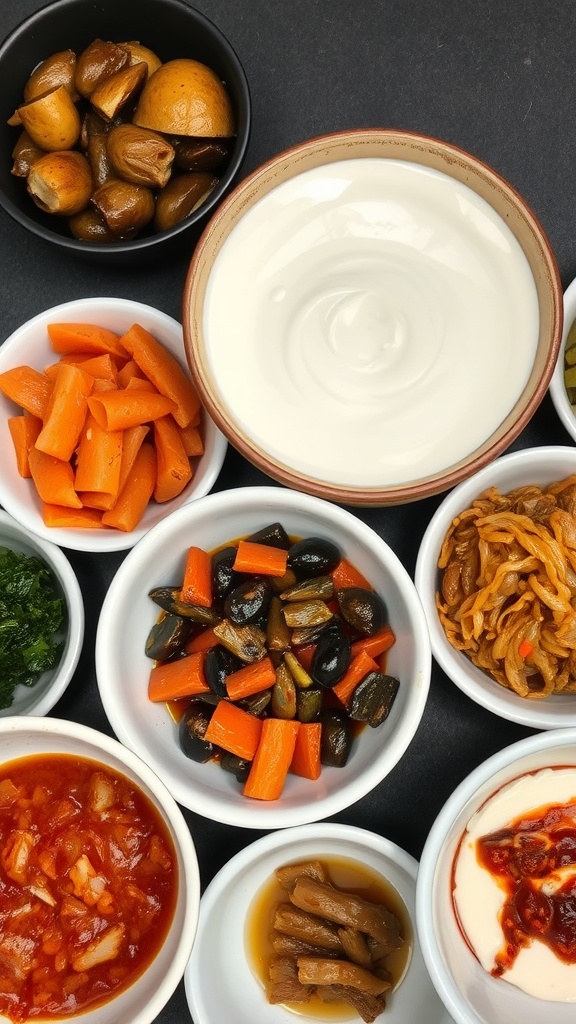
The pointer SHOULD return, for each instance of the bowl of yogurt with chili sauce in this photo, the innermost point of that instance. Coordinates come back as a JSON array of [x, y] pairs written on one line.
[[99, 882], [372, 315], [496, 887]]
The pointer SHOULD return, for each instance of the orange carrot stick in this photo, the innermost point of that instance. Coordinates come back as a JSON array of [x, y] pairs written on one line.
[[127, 372], [53, 479], [78, 518], [27, 387], [251, 679], [234, 730], [99, 458], [136, 492], [272, 759], [262, 559], [164, 371], [103, 367], [23, 430], [181, 678], [117, 410], [65, 413], [359, 667], [306, 757], [374, 645], [347, 575], [203, 641], [173, 469], [192, 440], [197, 582], [66, 338]]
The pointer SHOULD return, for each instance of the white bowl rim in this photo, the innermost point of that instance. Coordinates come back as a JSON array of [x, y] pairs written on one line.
[[253, 814], [173, 814], [108, 540], [557, 387], [65, 575], [457, 800], [495, 698]]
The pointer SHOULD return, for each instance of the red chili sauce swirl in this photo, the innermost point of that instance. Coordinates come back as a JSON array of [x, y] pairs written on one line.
[[534, 861], [88, 883]]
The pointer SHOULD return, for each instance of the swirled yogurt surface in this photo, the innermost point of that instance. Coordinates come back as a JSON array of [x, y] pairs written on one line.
[[479, 899], [370, 322]]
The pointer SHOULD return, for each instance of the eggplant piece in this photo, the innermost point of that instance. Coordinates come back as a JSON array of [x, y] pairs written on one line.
[[336, 741], [249, 601], [224, 578], [298, 614], [168, 598], [311, 634], [308, 704], [167, 637], [314, 556], [299, 674], [362, 609], [274, 536], [280, 583], [319, 588], [247, 642], [218, 664], [283, 701], [331, 658], [237, 766], [256, 703], [191, 730], [278, 634], [373, 698]]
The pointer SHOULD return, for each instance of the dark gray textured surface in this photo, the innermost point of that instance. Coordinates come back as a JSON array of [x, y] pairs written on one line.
[[495, 78]]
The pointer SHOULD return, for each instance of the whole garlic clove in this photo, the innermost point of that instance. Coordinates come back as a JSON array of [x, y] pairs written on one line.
[[181, 197], [24, 154], [199, 154], [58, 69], [125, 206], [61, 182], [137, 52], [97, 153], [90, 226], [110, 96], [140, 155], [52, 120]]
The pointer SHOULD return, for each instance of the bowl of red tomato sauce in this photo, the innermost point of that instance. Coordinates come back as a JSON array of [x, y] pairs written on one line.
[[265, 651], [99, 882]]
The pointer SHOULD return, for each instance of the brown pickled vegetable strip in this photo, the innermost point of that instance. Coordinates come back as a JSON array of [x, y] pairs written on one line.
[[367, 1007], [289, 945], [320, 971], [306, 927], [345, 909], [355, 946], [289, 874], [285, 986]]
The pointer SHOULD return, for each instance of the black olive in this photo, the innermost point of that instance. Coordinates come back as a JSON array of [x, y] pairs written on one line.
[[336, 739], [223, 576], [191, 729], [167, 637], [249, 602], [314, 556], [238, 766], [274, 536], [218, 664], [331, 658], [364, 610], [373, 698]]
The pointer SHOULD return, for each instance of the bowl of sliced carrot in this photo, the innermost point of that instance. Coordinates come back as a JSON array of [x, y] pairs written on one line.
[[265, 651], [102, 429]]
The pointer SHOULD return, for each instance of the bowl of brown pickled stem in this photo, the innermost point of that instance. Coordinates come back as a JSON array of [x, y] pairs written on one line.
[[171, 29], [304, 287]]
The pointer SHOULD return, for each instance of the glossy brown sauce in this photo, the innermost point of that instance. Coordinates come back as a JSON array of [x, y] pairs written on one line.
[[344, 874], [523, 857]]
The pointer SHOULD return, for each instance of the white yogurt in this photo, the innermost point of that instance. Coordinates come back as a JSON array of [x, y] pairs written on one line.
[[370, 322], [479, 898]]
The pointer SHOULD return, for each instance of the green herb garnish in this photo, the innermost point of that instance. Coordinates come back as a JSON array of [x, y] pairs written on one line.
[[31, 613]]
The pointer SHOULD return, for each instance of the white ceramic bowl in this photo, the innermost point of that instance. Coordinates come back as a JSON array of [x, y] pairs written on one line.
[[143, 1000], [530, 465], [41, 698], [123, 669], [367, 270], [471, 994], [29, 345], [226, 903], [557, 387]]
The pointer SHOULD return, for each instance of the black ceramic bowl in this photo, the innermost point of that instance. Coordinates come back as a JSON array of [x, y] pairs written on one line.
[[169, 27]]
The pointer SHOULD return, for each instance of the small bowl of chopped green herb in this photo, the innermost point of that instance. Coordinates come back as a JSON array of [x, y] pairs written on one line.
[[41, 621], [563, 382]]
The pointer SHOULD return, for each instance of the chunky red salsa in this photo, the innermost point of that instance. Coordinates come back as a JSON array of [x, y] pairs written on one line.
[[88, 881], [534, 859]]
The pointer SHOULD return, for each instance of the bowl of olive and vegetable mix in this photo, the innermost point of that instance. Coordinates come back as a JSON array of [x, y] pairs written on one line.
[[267, 653], [41, 621], [123, 127]]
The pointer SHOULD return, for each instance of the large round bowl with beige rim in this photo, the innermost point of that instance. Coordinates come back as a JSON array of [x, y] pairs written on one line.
[[372, 316]]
